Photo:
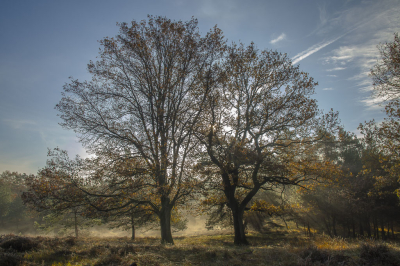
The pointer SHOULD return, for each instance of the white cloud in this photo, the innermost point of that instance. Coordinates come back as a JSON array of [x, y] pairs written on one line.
[[280, 38], [334, 76], [328, 89]]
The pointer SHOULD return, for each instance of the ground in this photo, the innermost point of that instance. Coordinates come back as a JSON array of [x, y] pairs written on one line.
[[276, 247]]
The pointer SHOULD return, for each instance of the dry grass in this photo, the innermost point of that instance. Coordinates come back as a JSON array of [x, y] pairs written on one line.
[[278, 247]]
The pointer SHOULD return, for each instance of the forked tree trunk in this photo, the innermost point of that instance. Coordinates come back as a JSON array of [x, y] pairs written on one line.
[[237, 212], [165, 222]]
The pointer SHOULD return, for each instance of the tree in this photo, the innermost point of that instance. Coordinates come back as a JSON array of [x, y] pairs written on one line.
[[378, 169], [385, 74], [145, 98], [253, 121], [5, 195], [14, 215], [127, 218], [54, 192], [122, 193], [386, 80]]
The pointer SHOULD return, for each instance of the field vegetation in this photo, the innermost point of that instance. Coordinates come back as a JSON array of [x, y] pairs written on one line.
[[274, 247]]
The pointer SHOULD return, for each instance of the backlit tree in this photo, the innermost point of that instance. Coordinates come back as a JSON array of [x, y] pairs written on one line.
[[148, 90], [258, 125]]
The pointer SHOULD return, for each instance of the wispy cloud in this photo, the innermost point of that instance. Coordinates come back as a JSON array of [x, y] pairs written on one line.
[[349, 20], [371, 23], [336, 69], [313, 49], [328, 89], [280, 38], [373, 103], [20, 123]]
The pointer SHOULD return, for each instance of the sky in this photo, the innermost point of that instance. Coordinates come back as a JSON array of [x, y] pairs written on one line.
[[43, 43]]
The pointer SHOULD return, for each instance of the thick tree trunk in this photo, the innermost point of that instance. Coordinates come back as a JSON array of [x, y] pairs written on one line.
[[236, 208], [238, 226], [165, 222]]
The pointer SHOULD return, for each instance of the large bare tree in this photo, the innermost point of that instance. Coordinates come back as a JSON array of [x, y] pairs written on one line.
[[148, 90], [253, 121]]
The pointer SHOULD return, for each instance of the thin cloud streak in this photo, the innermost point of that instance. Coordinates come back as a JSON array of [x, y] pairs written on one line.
[[280, 38], [313, 49]]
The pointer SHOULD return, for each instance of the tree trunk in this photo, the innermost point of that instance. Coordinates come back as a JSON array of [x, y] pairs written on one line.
[[165, 222], [327, 226], [348, 229], [383, 229], [133, 227], [76, 224], [368, 227], [391, 225], [361, 228], [334, 226], [240, 236]]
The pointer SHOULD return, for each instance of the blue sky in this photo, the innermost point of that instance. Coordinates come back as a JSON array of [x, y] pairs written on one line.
[[42, 43]]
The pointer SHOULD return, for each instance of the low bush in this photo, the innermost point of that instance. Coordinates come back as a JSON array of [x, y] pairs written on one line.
[[70, 241], [19, 244], [313, 254], [112, 260], [378, 254], [10, 259]]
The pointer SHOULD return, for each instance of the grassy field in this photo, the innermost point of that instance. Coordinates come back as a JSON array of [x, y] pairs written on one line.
[[278, 247]]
